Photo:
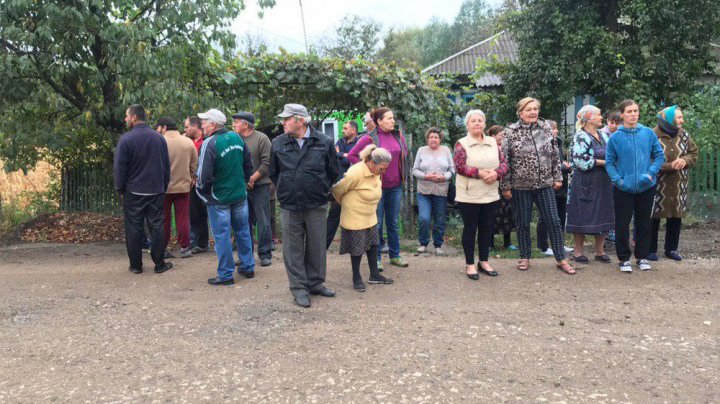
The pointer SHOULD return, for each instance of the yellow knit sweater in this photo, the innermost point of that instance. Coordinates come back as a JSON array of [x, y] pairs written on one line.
[[359, 193]]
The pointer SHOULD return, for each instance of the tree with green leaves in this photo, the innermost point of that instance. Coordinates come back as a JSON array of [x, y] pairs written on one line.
[[653, 51], [263, 84], [421, 47], [355, 37], [69, 69]]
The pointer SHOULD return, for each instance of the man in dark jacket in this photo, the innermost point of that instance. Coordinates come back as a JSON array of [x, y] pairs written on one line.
[[303, 166], [224, 168], [142, 175], [342, 148]]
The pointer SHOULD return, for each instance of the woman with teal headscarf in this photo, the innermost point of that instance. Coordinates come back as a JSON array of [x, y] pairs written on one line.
[[671, 198]]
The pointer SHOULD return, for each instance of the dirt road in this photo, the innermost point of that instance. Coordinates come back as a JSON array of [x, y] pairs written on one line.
[[76, 326]]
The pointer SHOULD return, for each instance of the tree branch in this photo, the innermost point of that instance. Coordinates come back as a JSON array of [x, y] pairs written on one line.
[[142, 11]]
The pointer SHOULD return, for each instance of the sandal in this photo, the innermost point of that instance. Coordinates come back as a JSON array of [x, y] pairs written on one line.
[[581, 259], [567, 268], [602, 258], [523, 265]]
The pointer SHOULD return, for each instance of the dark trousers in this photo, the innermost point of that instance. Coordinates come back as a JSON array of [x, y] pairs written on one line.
[[478, 220], [544, 198], [181, 203], [333, 222], [139, 209], [198, 221], [542, 230], [672, 234], [305, 259], [627, 204], [259, 206], [273, 225]]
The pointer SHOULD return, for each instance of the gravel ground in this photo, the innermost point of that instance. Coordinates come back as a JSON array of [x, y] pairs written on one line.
[[76, 326]]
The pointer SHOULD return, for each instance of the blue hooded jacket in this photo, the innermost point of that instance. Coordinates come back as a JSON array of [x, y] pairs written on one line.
[[633, 159]]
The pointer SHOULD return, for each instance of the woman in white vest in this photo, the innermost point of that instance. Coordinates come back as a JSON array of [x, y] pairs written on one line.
[[479, 165]]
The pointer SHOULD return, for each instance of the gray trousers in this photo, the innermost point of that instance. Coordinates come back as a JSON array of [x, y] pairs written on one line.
[[259, 204], [304, 251]]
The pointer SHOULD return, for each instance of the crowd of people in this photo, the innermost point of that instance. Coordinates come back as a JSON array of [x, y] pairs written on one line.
[[615, 173]]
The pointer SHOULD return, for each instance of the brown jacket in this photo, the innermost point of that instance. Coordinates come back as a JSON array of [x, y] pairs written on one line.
[[183, 162], [671, 197]]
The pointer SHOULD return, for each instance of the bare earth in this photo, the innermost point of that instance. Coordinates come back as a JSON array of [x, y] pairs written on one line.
[[76, 326]]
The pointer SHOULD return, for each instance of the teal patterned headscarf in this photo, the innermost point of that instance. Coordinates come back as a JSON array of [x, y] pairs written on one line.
[[666, 120]]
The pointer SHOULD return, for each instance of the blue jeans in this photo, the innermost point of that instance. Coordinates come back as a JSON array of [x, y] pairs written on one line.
[[225, 220], [431, 207], [389, 209]]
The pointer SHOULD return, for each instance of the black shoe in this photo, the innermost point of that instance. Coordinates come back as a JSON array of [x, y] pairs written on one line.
[[218, 281], [380, 280], [323, 291], [164, 267], [265, 262], [168, 255], [135, 270], [474, 276], [486, 272], [673, 255], [248, 275], [652, 257], [359, 285], [303, 301]]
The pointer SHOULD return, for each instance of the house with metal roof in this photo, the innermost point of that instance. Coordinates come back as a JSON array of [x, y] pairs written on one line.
[[500, 46]]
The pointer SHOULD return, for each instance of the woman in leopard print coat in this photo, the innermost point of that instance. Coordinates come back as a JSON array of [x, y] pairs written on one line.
[[534, 171]]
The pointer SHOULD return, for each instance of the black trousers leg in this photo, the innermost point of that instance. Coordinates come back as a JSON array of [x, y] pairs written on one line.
[[333, 221], [643, 220], [155, 218], [486, 219], [542, 235], [134, 229], [672, 234], [470, 213], [654, 235], [198, 220], [624, 204]]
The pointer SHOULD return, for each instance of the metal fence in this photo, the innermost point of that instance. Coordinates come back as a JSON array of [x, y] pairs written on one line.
[[89, 187]]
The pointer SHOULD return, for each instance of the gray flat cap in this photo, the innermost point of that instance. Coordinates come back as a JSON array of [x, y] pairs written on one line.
[[292, 110]]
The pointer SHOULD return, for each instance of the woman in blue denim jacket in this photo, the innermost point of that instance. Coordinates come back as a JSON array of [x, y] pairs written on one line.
[[633, 159]]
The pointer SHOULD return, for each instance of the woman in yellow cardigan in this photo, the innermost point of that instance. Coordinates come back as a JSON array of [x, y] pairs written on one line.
[[358, 193]]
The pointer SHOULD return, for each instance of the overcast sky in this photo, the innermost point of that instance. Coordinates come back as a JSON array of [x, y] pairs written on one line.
[[281, 25]]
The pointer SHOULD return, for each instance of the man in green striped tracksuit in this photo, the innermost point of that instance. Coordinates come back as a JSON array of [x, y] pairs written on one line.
[[224, 167]]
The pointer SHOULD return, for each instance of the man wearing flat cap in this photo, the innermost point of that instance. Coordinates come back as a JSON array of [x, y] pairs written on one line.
[[224, 169], [258, 186], [303, 167]]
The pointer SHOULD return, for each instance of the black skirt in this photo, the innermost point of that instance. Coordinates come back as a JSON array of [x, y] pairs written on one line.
[[358, 242]]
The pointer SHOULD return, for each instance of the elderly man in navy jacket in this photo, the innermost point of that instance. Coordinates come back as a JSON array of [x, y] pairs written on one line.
[[142, 175]]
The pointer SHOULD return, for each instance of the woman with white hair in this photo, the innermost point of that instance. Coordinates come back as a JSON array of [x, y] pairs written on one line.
[[533, 172], [479, 166], [358, 193], [590, 201]]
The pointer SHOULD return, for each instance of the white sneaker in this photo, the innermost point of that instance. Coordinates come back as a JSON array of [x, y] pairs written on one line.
[[644, 265], [439, 251], [568, 249], [422, 249], [549, 252], [625, 266]]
